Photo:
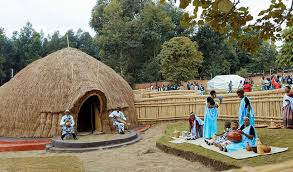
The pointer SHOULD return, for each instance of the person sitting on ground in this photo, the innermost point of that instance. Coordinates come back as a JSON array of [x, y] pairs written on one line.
[[119, 120], [195, 126], [221, 138], [249, 137], [235, 125], [67, 125]]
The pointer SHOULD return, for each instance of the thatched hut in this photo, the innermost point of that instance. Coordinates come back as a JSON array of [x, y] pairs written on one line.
[[32, 103]]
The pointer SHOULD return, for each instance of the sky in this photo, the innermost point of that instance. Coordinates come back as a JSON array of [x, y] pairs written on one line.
[[62, 15], [46, 15]]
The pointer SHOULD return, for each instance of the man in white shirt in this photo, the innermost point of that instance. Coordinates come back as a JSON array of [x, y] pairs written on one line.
[[119, 120], [67, 125]]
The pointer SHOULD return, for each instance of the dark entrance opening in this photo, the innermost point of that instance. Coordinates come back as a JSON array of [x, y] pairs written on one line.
[[86, 121]]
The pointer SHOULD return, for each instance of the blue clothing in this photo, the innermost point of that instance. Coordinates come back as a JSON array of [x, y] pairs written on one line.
[[242, 145], [119, 126], [210, 122], [223, 138], [65, 129], [194, 133], [243, 112]]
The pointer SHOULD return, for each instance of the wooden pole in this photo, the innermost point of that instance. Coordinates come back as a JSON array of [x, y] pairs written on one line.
[[67, 40]]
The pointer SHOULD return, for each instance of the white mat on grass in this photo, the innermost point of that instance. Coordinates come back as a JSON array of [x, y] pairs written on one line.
[[240, 154]]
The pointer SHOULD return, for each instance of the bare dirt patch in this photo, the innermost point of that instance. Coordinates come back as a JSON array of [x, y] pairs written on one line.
[[139, 157]]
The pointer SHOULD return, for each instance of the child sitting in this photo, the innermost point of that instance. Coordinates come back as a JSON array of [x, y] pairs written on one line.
[[221, 139], [222, 146]]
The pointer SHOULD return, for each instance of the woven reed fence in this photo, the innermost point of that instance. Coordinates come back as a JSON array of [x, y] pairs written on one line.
[[267, 106]]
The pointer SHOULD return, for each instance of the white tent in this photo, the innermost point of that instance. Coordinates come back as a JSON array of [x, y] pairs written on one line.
[[221, 82]]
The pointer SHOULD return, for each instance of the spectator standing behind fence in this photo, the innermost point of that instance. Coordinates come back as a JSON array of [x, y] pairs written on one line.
[[289, 80], [230, 85], [268, 84], [188, 86], [273, 82], [201, 89], [263, 83], [240, 86], [247, 87]]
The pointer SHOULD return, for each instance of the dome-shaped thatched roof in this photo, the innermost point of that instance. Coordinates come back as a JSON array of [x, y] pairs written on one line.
[[54, 83]]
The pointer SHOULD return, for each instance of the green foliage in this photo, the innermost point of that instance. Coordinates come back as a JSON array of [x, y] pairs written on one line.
[[3, 40], [242, 72], [285, 57], [27, 45], [130, 35], [264, 58], [225, 16], [219, 57], [151, 71], [180, 59]]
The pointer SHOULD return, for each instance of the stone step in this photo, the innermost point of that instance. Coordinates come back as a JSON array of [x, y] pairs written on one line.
[[57, 143], [79, 150]]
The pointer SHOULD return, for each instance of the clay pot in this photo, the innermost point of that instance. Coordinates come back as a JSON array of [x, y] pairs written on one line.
[[266, 148], [234, 136], [248, 148]]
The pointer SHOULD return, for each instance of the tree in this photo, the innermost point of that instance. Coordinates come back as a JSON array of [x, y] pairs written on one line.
[[3, 41], [285, 57], [112, 37], [157, 27], [97, 16], [130, 34], [242, 72], [151, 71], [180, 59], [28, 46], [219, 56], [86, 44], [264, 59], [53, 43], [225, 16]]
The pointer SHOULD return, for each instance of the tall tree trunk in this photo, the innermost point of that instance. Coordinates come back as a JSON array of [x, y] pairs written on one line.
[[120, 63]]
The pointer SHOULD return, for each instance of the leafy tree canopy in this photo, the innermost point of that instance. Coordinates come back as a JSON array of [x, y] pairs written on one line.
[[285, 57], [180, 59], [227, 16]]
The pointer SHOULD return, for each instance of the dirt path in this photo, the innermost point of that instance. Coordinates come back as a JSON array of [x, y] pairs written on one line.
[[139, 157]]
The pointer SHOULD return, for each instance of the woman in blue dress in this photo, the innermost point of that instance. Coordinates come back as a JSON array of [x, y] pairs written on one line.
[[249, 136], [210, 117], [245, 109]]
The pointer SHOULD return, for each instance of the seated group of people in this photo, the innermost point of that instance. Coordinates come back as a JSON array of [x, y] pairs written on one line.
[[221, 141], [67, 123]]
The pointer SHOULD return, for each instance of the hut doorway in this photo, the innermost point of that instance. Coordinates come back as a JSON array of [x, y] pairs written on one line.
[[89, 118]]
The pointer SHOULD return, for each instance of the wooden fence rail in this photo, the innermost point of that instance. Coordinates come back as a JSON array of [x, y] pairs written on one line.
[[267, 106]]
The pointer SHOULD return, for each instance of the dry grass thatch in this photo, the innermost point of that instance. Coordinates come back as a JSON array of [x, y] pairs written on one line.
[[33, 101]]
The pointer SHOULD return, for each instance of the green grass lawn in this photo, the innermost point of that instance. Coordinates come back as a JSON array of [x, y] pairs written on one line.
[[272, 137]]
